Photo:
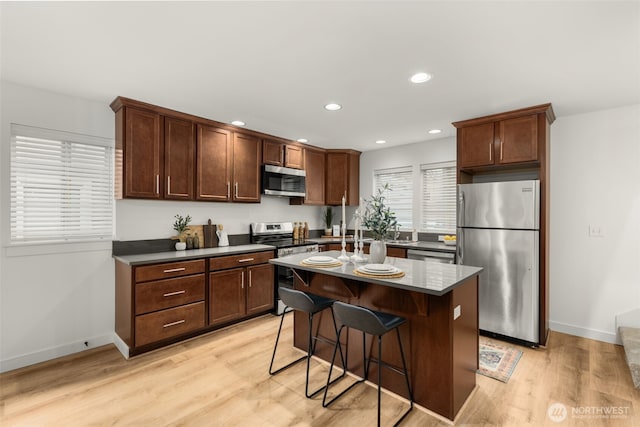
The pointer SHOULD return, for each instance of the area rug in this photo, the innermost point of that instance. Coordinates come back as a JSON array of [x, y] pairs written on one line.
[[497, 361]]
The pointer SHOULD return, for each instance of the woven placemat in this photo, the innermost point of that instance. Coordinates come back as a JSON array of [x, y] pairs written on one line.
[[379, 276], [333, 264]]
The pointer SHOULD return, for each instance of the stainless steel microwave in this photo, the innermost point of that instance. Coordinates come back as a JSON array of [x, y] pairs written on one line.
[[280, 181]]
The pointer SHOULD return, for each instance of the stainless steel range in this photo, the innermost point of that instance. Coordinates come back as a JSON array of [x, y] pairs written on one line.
[[280, 235]]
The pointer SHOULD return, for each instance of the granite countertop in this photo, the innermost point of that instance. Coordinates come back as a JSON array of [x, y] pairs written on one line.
[[427, 277], [171, 256], [420, 244]]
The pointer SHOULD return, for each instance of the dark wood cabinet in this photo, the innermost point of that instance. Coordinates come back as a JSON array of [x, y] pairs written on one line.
[[214, 164], [260, 288], [342, 177], [247, 154], [226, 296], [138, 137], [179, 159], [279, 153], [517, 139], [314, 166], [476, 145]]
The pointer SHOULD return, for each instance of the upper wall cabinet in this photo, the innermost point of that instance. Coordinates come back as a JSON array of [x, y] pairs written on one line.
[[179, 159], [247, 153], [342, 177], [214, 164], [314, 166], [507, 139], [282, 154]]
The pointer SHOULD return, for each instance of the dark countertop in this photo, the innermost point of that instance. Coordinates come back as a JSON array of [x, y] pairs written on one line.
[[420, 244], [427, 277], [172, 256]]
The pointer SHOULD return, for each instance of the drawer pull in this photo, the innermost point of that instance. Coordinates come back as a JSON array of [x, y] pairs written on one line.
[[170, 294], [179, 322], [175, 270], [245, 260]]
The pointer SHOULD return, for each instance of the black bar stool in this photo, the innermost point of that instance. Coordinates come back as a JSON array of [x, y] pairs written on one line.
[[373, 323], [310, 304]]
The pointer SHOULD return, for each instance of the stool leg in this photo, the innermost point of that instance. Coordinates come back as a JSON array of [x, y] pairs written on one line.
[[406, 377], [275, 347], [379, 375]]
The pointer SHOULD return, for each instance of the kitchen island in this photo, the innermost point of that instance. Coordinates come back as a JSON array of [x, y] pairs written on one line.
[[440, 302]]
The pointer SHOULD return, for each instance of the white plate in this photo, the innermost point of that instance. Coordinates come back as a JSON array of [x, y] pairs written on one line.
[[322, 259], [379, 273], [379, 267]]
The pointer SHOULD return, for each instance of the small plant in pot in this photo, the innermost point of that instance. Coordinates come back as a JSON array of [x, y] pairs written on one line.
[[327, 216], [380, 220], [180, 225]]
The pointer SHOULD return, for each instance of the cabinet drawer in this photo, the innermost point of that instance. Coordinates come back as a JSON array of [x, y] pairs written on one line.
[[169, 323], [168, 270], [161, 294], [242, 260]]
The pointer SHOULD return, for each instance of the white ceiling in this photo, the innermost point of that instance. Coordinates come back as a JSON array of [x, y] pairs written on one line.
[[275, 65]]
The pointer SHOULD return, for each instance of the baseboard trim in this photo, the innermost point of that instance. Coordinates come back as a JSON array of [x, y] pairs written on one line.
[[54, 352], [121, 345], [594, 334]]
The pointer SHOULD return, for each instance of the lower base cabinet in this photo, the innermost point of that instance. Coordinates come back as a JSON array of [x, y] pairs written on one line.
[[169, 323]]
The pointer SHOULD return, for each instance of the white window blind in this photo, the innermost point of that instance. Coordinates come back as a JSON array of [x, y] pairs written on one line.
[[438, 210], [400, 196], [61, 186]]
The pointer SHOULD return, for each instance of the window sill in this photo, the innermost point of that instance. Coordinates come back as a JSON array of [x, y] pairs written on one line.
[[57, 248]]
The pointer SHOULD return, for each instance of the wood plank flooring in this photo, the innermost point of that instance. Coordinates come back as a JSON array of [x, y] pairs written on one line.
[[221, 379]]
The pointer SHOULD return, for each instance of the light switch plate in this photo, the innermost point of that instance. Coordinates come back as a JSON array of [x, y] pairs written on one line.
[[456, 312]]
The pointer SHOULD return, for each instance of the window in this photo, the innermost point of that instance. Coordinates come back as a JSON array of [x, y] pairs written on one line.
[[61, 186], [400, 196], [438, 210]]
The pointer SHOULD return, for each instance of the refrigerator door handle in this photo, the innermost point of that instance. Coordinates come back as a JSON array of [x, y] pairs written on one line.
[[460, 207], [460, 253]]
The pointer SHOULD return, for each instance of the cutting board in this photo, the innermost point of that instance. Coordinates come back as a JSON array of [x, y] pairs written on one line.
[[210, 240]]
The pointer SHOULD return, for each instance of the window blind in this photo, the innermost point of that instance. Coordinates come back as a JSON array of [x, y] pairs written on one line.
[[61, 186], [400, 196], [438, 210]]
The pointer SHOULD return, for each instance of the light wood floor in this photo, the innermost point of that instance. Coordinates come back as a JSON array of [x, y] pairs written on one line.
[[221, 379]]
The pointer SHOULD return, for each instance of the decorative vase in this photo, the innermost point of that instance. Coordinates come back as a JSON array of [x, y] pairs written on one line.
[[181, 246], [327, 232], [377, 252]]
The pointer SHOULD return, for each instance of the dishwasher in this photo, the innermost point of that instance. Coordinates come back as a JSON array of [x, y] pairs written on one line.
[[443, 257]]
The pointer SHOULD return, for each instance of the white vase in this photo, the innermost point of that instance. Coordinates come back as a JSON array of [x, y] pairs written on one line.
[[377, 252], [181, 246]]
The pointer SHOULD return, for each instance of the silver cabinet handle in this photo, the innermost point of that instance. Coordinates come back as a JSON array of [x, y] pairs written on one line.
[[236, 190], [157, 184], [501, 145], [490, 151], [170, 294], [228, 189], [167, 325], [242, 280], [168, 184], [282, 157], [245, 260], [174, 270], [249, 278]]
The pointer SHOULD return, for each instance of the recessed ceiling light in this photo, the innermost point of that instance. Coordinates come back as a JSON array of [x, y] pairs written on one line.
[[433, 131], [238, 123], [333, 107], [420, 78], [381, 141], [303, 140]]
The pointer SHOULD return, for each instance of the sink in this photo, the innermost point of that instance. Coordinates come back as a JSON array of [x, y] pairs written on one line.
[[402, 241]]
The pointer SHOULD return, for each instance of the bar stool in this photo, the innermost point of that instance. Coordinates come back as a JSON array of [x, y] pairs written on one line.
[[310, 304], [373, 323]]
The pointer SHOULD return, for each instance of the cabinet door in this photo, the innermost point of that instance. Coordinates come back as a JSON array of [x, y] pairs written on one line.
[[293, 157], [226, 295], [179, 158], [143, 154], [518, 140], [214, 163], [260, 288], [476, 145], [336, 180], [314, 165], [247, 154], [272, 153]]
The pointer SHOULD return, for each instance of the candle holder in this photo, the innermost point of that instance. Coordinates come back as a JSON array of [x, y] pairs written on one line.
[[343, 255]]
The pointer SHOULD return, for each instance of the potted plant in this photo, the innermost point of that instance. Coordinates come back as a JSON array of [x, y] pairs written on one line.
[[327, 215], [180, 225], [379, 219]]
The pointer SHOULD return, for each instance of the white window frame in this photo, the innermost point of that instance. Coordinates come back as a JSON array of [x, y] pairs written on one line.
[[97, 222], [403, 173], [448, 219]]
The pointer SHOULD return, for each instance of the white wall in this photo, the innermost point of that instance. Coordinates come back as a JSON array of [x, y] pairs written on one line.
[[52, 302], [595, 179]]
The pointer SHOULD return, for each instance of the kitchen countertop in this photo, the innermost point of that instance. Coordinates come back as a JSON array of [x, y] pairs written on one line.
[[421, 244], [426, 277], [171, 256]]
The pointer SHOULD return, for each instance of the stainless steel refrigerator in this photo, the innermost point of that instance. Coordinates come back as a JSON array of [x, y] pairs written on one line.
[[499, 230]]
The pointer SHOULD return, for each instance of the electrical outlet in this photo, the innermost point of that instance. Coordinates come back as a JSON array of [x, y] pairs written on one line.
[[596, 231]]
